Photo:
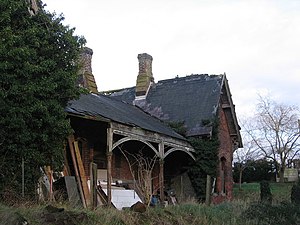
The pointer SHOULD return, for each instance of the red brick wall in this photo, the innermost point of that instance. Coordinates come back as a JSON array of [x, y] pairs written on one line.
[[85, 156], [225, 154], [121, 171]]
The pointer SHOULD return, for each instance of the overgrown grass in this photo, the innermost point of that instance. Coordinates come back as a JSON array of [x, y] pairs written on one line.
[[281, 192], [248, 193], [233, 213], [187, 214], [245, 210]]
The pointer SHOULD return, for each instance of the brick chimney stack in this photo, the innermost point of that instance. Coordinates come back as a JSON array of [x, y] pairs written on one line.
[[145, 76], [86, 77]]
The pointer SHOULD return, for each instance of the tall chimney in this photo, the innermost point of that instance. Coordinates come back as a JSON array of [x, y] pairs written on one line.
[[86, 77], [145, 76]]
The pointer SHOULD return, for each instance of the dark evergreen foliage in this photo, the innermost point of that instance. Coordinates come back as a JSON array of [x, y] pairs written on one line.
[[265, 192], [38, 72], [295, 193], [256, 171]]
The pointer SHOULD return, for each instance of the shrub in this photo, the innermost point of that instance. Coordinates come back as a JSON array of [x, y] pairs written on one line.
[[295, 193], [38, 77], [265, 192], [260, 213]]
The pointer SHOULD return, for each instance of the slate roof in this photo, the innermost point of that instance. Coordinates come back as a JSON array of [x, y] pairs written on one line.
[[109, 108], [191, 99]]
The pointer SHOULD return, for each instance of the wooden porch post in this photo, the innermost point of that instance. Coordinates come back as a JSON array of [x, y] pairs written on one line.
[[161, 172], [109, 159], [161, 180], [109, 181]]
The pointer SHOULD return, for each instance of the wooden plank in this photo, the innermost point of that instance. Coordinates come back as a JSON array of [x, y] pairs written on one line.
[[102, 195], [50, 178], [82, 174], [93, 184], [72, 190], [71, 146], [66, 170]]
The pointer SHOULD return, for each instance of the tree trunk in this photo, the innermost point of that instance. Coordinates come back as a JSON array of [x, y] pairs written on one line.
[[281, 175]]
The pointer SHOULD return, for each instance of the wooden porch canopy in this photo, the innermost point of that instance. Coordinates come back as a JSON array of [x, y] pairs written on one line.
[[131, 124]]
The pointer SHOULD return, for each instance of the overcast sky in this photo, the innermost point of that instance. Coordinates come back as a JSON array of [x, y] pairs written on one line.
[[255, 42]]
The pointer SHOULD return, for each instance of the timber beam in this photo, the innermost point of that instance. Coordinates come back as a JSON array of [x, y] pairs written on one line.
[[136, 133]]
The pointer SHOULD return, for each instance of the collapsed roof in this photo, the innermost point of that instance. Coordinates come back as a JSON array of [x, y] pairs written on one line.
[[98, 105]]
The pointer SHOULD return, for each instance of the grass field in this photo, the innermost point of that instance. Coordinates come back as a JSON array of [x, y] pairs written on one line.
[[250, 192]]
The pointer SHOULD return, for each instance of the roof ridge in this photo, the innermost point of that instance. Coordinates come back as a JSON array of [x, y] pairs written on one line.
[[204, 75]]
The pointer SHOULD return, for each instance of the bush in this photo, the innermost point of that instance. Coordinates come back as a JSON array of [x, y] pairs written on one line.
[[260, 213], [295, 193], [265, 192]]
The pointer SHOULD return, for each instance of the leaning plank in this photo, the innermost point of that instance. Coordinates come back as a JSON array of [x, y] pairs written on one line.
[[66, 170], [71, 141], [82, 174], [72, 191], [103, 196], [50, 178]]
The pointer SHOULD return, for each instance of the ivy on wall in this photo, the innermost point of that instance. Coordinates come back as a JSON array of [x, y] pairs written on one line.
[[206, 154]]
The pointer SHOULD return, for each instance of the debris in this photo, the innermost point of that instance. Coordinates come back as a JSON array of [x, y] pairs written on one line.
[[138, 207], [18, 219], [54, 215], [53, 209]]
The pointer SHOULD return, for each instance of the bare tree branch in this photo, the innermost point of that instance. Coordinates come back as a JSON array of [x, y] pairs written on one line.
[[144, 167], [275, 131]]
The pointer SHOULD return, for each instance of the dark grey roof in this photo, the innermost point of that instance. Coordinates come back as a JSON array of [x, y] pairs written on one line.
[[191, 99], [109, 108]]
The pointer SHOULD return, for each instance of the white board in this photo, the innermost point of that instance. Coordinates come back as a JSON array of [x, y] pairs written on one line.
[[123, 198]]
